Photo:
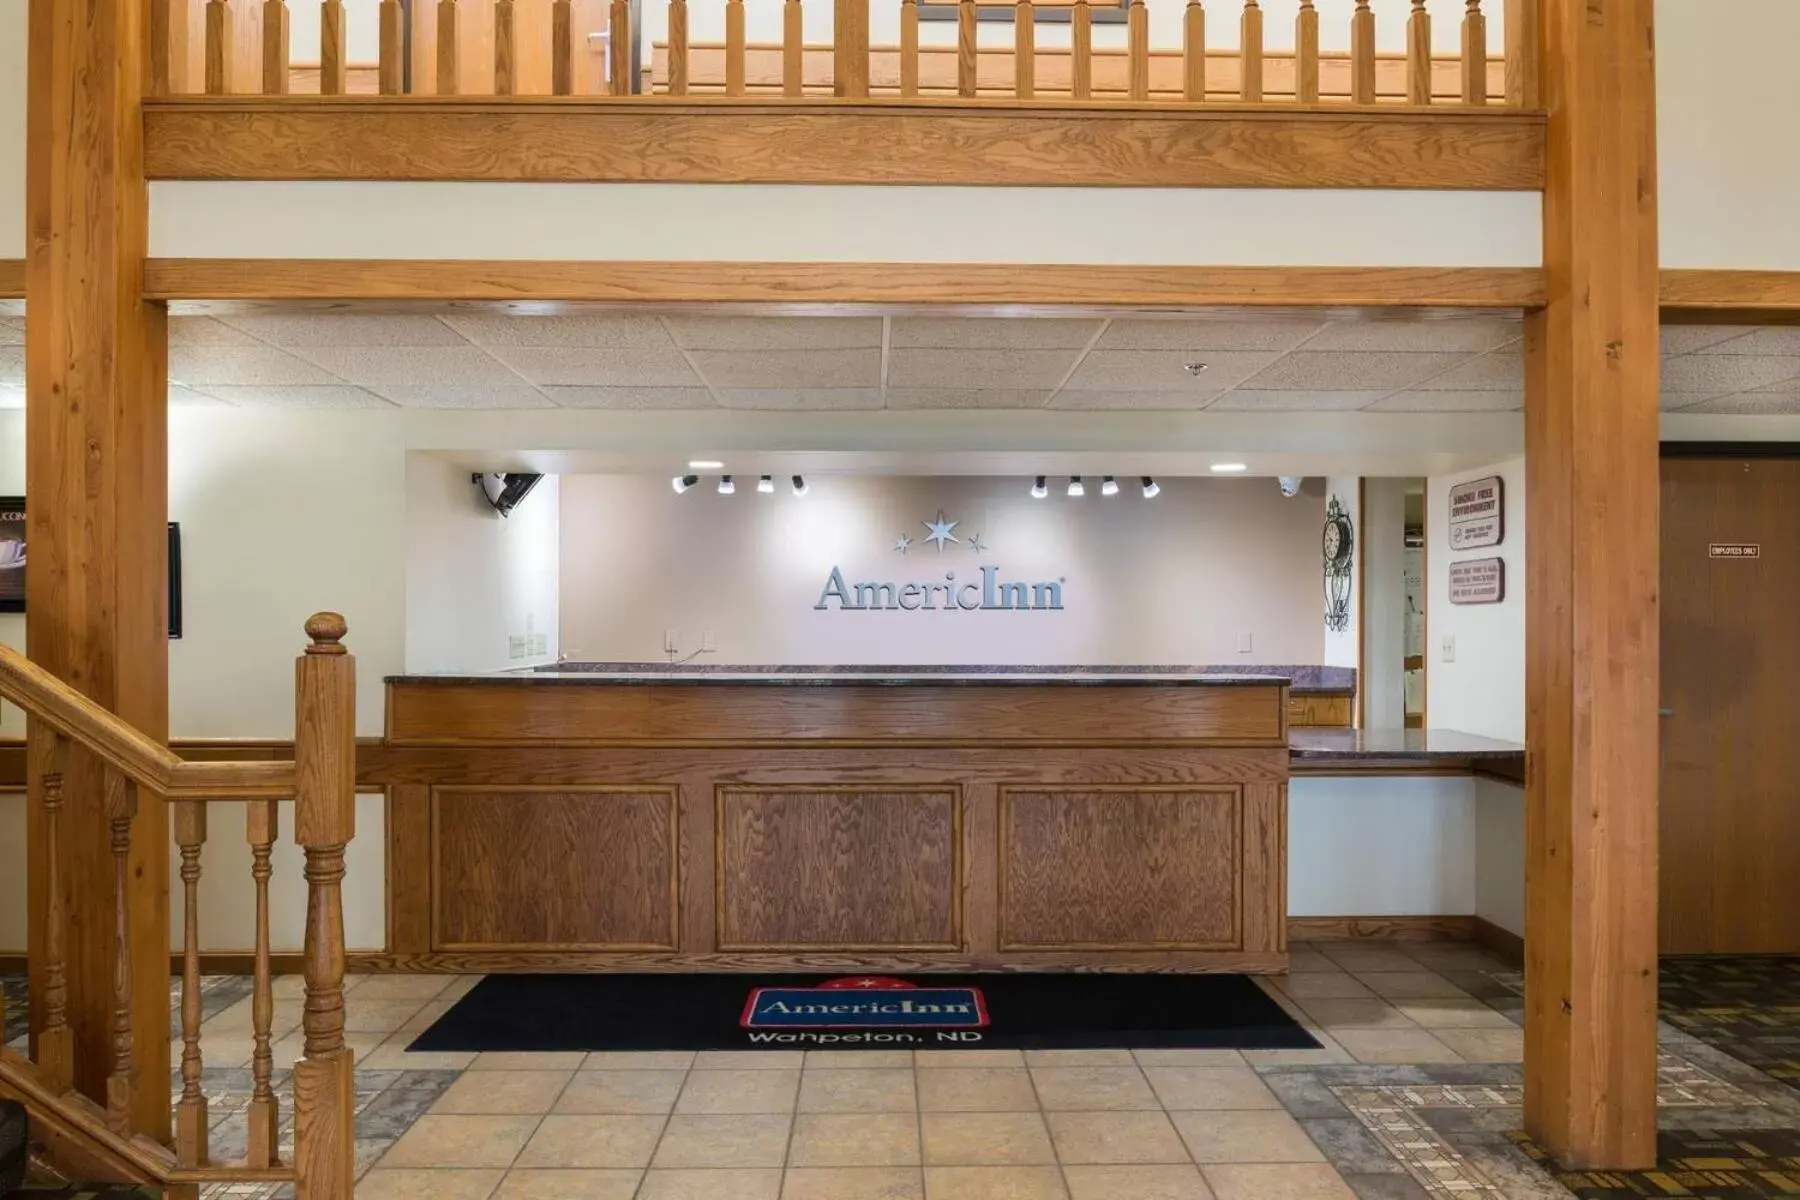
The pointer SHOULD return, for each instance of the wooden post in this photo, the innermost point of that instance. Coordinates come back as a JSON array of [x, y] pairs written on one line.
[[1081, 51], [190, 1112], [1024, 49], [505, 52], [734, 47], [1251, 52], [1524, 38], [1474, 55], [96, 467], [1306, 52], [324, 823], [678, 47], [334, 58], [1418, 55], [1362, 54], [1193, 52], [218, 47], [909, 47], [967, 55], [275, 47], [262, 824], [562, 48], [793, 47], [1592, 495], [55, 1050], [1137, 50], [121, 1082], [618, 48], [446, 48], [850, 48]]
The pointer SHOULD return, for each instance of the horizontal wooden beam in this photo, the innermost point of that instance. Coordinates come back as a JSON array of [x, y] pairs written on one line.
[[839, 283], [12, 279], [1705, 297], [636, 140]]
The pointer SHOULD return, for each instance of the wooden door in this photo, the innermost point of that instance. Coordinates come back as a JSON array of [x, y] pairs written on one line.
[[1730, 878]]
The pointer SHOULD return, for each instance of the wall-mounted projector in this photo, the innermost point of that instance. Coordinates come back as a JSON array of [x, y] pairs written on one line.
[[503, 492]]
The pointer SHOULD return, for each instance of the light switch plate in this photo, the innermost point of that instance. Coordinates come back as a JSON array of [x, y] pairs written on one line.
[[1244, 643]]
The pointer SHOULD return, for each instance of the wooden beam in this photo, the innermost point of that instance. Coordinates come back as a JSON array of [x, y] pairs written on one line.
[[1730, 297], [1591, 376], [839, 283], [896, 141], [96, 472]]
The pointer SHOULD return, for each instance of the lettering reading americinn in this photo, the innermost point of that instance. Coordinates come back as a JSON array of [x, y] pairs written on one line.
[[991, 594]]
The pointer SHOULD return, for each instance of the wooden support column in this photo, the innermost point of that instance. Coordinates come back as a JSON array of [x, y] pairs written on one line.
[[96, 479], [1591, 606]]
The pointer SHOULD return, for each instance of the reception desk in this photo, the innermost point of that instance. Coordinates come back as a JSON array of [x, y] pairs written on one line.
[[569, 820]]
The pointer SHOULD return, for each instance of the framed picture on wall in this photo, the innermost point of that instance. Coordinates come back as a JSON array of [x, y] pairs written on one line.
[[1046, 12], [12, 554]]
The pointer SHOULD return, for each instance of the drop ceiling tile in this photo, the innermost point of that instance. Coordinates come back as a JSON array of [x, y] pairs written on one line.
[[1718, 374], [1094, 401], [188, 398], [1470, 335], [1675, 401], [1466, 401], [1686, 339], [12, 331], [1769, 340], [802, 399], [12, 365], [516, 394], [1188, 334], [1502, 370], [346, 329], [1750, 404], [992, 333], [409, 366], [631, 398], [206, 331], [294, 396], [599, 368], [1009, 370], [693, 332], [1246, 400], [920, 398], [201, 366], [1166, 371], [791, 369], [594, 331]]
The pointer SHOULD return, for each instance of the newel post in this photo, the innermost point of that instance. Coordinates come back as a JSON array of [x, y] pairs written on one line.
[[324, 821]]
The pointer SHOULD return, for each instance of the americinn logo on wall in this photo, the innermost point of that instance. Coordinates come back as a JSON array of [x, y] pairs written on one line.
[[990, 594]]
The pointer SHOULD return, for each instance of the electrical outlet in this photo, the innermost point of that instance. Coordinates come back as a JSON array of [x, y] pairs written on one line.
[[1243, 643], [1448, 653], [671, 641]]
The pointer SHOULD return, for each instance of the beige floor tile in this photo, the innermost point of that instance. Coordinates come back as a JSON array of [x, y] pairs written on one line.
[[1092, 1089], [1450, 956], [240, 1018], [379, 1016], [994, 1183], [977, 1089], [1078, 1058], [528, 1060], [1314, 985], [401, 987], [853, 1183], [517, 1093], [289, 1048], [738, 1092], [1486, 1045], [1464, 1012], [1352, 1013], [749, 1060], [441, 1141], [1263, 1181], [755, 1140], [855, 1140], [1395, 1046], [1166, 1182], [968, 1058], [458, 987], [1177, 1057], [1261, 1136], [981, 1139], [1210, 1087], [857, 1060], [638, 1060], [1326, 1054], [223, 1049], [392, 1055], [620, 1092], [566, 1184], [1409, 985], [1114, 1137], [1352, 957], [710, 1185], [606, 1141], [1305, 959], [883, 1089], [390, 1184]]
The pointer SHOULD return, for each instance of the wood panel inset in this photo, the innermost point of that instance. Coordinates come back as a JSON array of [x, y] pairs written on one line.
[[1121, 868], [841, 868], [567, 867]]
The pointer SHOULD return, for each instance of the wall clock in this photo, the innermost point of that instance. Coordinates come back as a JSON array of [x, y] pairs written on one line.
[[1337, 547]]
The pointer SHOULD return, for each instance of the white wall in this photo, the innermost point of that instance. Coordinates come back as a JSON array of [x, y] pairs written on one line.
[[1344, 649], [1500, 862], [1483, 690], [1363, 845], [1384, 603], [12, 128]]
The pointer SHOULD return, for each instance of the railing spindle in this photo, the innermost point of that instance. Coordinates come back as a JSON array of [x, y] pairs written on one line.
[[261, 827], [56, 1042], [275, 39], [390, 71], [618, 48], [1474, 55], [218, 47], [850, 48], [190, 1113], [168, 32], [1250, 83], [1306, 53], [1137, 41], [1081, 51], [1523, 18], [562, 48], [1025, 49], [793, 46], [966, 52], [334, 59], [505, 30], [446, 48], [734, 47], [1193, 52], [909, 47], [678, 47], [121, 1082], [1418, 55], [1362, 54]]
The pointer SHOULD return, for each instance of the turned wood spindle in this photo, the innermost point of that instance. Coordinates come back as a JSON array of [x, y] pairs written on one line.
[[618, 48], [218, 47], [1306, 54], [121, 1084], [1418, 55], [793, 46], [678, 47], [1474, 55], [446, 48], [390, 69], [261, 827], [562, 48], [967, 53], [56, 1041], [1362, 54], [190, 1112], [505, 33], [1137, 40], [334, 57], [1250, 53], [850, 49], [1081, 51], [1193, 52], [1025, 49], [734, 47]]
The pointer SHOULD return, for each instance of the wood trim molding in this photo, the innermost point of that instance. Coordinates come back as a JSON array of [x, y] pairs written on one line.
[[1503, 942], [1700, 297], [873, 142], [12, 279], [1051, 285], [1387, 929]]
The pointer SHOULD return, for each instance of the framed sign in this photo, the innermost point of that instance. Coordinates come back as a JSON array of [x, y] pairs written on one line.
[[1046, 12], [1734, 550], [1477, 513], [12, 554], [1478, 581]]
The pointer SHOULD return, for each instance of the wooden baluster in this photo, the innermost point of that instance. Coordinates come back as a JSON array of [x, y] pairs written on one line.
[[793, 46], [1137, 39], [168, 37], [562, 48], [1025, 49], [1362, 55], [1250, 53], [967, 60], [1193, 52], [261, 827], [618, 48], [909, 47], [1522, 30], [734, 47], [275, 48], [1418, 55], [678, 47], [56, 1041], [190, 1113], [390, 72], [218, 47], [334, 58], [1081, 51], [1306, 52], [850, 48], [446, 48], [505, 30], [324, 822], [121, 1083], [1474, 55]]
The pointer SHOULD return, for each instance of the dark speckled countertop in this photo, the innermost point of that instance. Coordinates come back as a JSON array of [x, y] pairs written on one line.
[[1302, 679], [1392, 745]]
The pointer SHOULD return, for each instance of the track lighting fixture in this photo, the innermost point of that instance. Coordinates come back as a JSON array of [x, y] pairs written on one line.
[[800, 488], [726, 487], [684, 482], [766, 485], [1151, 488], [1075, 486], [1109, 486], [1039, 488]]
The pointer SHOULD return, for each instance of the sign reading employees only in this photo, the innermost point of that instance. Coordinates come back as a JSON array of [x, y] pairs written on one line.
[[1734, 550]]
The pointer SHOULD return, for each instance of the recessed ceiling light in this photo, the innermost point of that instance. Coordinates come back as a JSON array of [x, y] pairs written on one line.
[[1229, 468], [704, 464]]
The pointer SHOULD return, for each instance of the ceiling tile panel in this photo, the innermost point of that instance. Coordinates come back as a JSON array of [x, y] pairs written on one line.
[[1009, 370], [339, 329], [296, 396], [12, 331], [1720, 373], [1470, 335], [1502, 370], [12, 365], [1188, 334], [408, 366], [921, 398], [594, 331], [516, 394], [599, 368], [1360, 371], [1166, 371], [1094, 401], [633, 399], [255, 364], [1686, 339], [1750, 404], [693, 332], [796, 369], [1247, 400], [995, 333], [182, 397], [206, 331], [1465, 401], [1675, 401], [1769, 340], [802, 399]]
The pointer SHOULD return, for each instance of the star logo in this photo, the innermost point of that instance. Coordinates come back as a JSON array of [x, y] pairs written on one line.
[[902, 543], [941, 531], [976, 544]]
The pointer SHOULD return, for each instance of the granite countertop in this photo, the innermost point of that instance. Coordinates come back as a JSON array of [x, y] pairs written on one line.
[[1352, 745], [1301, 679]]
